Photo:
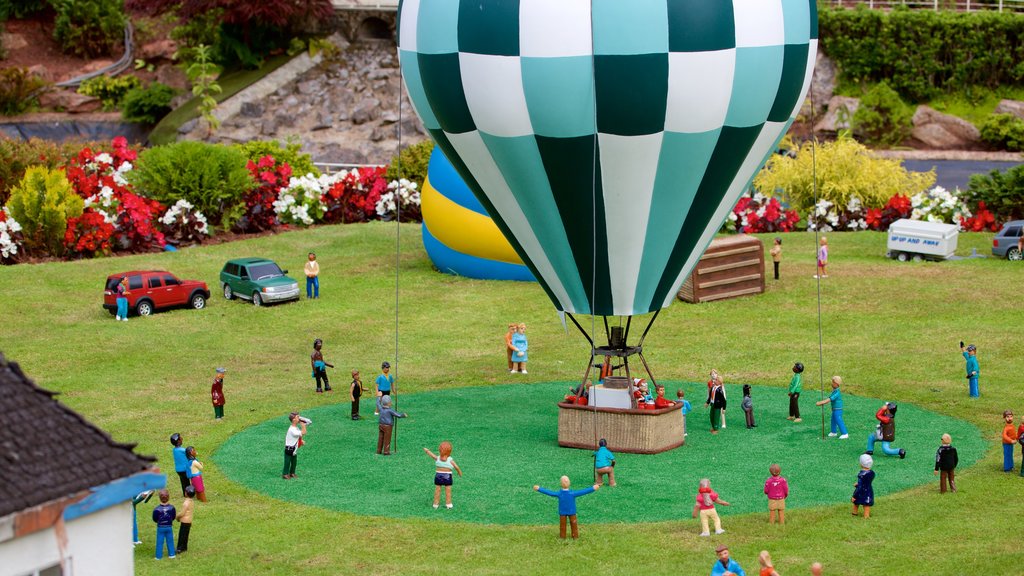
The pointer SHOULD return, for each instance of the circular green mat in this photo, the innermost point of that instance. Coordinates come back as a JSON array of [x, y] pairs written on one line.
[[506, 440]]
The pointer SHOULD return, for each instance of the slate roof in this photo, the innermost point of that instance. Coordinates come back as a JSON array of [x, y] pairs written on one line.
[[48, 451]]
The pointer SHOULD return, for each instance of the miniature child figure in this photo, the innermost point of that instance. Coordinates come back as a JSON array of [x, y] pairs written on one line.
[[386, 424], [645, 395], [443, 465], [121, 299], [312, 277], [180, 461], [776, 253], [567, 505], [139, 498], [382, 385], [716, 400], [509, 348], [185, 519], [725, 566], [794, 392], [886, 432], [680, 398], [163, 516], [520, 345], [748, 407], [945, 464], [817, 569], [292, 443], [706, 499], [660, 401], [777, 489], [1009, 439], [195, 474], [973, 371], [767, 567], [836, 399], [822, 258], [604, 464], [355, 391], [863, 493], [316, 360], [217, 394]]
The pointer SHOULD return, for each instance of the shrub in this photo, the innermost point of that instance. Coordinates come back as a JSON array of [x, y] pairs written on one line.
[[17, 155], [10, 238], [409, 200], [758, 213], [42, 203], [270, 176], [147, 105], [414, 161], [19, 9], [882, 119], [845, 170], [1004, 131], [289, 153], [18, 90], [1002, 192], [897, 208], [110, 90], [354, 195], [88, 235], [88, 28], [213, 178], [183, 224]]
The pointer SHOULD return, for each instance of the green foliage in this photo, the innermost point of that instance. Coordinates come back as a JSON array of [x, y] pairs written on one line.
[[882, 119], [290, 152], [1004, 131], [923, 53], [212, 177], [19, 9], [1002, 192], [147, 105], [111, 90], [17, 155], [203, 75], [202, 30], [845, 169], [414, 161], [42, 203], [18, 89], [88, 28]]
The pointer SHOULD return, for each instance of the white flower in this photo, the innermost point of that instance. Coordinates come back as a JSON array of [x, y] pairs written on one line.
[[104, 158]]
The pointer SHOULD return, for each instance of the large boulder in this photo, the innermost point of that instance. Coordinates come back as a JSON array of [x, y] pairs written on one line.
[[1015, 107], [943, 131], [823, 81], [839, 115], [69, 101]]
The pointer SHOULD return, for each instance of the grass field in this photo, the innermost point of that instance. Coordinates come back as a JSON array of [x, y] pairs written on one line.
[[890, 329]]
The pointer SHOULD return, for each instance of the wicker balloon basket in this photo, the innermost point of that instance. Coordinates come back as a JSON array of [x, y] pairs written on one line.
[[635, 431]]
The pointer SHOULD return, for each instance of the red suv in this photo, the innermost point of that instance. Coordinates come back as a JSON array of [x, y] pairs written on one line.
[[149, 290]]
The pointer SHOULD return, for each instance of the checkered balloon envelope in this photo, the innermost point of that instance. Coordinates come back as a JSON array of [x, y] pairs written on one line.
[[608, 139]]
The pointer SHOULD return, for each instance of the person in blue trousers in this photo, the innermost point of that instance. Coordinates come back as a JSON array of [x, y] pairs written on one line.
[[971, 356], [122, 299], [886, 432], [836, 399], [164, 516], [138, 499], [312, 271], [567, 505]]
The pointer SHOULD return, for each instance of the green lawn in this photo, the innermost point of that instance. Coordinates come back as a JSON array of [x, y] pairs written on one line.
[[890, 329]]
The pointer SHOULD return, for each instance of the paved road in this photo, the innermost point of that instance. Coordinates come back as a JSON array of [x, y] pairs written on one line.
[[951, 174]]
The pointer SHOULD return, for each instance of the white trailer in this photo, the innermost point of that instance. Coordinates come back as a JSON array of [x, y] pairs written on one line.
[[918, 240]]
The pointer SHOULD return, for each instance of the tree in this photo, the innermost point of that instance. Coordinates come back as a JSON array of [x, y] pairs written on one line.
[[287, 14]]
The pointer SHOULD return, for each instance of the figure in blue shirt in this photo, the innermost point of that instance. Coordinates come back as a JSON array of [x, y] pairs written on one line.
[[971, 356], [567, 505], [604, 464], [383, 383], [726, 566], [836, 399], [686, 408], [181, 464]]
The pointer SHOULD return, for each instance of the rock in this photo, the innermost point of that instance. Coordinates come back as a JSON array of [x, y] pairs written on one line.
[[94, 66], [389, 117], [943, 131], [41, 71], [158, 50], [69, 101], [269, 126], [384, 133], [823, 81], [188, 126], [337, 153], [310, 86], [1015, 107], [13, 41], [839, 115], [291, 102], [365, 111], [173, 76], [251, 109], [323, 121]]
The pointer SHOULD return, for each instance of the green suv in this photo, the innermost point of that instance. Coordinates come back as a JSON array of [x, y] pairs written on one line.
[[257, 279]]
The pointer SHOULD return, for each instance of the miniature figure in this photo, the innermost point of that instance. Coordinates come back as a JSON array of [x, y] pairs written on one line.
[[836, 399], [776, 253], [886, 432], [384, 382], [443, 465], [217, 394], [721, 386], [312, 277], [645, 393], [726, 566], [180, 461], [659, 400], [1020, 440], [777, 489], [509, 348], [817, 569], [163, 516], [1010, 438], [945, 464], [316, 361], [185, 519], [567, 505], [355, 391], [764, 559], [579, 395], [973, 370], [520, 345], [681, 398], [139, 498], [706, 499], [122, 299], [292, 443], [863, 493], [386, 424], [822, 258], [195, 473], [604, 464], [794, 392], [716, 400], [748, 407]]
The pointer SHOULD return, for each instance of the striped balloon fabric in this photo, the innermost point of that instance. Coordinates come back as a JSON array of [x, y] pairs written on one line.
[[609, 139]]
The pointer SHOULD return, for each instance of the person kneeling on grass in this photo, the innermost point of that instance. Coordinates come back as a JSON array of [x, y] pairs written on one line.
[[604, 464]]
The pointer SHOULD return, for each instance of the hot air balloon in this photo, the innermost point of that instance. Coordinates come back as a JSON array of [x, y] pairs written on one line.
[[608, 139]]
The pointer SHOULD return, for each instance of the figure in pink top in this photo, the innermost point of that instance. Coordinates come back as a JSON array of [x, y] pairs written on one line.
[[777, 490], [705, 507], [822, 258]]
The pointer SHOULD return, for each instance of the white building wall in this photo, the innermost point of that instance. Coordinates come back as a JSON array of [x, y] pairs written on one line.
[[97, 544]]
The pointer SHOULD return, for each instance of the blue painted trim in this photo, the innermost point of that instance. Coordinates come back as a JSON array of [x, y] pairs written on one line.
[[114, 493], [451, 262]]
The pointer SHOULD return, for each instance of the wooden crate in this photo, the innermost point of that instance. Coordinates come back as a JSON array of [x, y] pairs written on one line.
[[731, 266]]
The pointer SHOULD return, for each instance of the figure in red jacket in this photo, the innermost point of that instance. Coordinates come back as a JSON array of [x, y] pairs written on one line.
[[217, 394], [886, 431]]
